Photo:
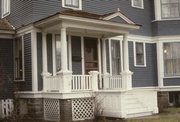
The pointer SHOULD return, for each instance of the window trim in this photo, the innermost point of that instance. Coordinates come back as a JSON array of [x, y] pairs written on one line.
[[164, 75], [110, 55], [144, 51], [142, 5], [2, 6], [71, 7], [23, 77]]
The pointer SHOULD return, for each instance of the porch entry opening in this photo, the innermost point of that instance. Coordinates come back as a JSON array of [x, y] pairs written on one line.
[[91, 54]]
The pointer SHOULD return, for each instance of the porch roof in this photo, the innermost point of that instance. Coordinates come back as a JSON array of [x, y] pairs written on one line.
[[6, 27], [78, 19]]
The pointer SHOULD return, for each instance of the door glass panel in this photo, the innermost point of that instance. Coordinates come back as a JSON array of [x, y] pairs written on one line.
[[90, 54]]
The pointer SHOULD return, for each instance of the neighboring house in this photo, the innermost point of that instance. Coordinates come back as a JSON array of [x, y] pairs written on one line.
[[68, 56]]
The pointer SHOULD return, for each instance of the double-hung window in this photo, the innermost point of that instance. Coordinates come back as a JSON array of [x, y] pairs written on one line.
[[74, 4], [18, 59], [170, 8], [172, 59], [137, 3], [139, 54], [5, 8], [115, 57]]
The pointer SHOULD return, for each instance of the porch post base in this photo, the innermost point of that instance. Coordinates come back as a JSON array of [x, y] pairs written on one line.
[[44, 75], [66, 81], [106, 80], [127, 80], [94, 75]]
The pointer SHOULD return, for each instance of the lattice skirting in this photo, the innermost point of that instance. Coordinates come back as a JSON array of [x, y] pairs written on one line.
[[6, 108], [82, 109], [51, 109]]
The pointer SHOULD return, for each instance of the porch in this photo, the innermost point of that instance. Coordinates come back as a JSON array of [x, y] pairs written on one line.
[[102, 63]]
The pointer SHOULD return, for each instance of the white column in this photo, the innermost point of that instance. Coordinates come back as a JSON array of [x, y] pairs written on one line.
[[157, 9], [126, 53], [54, 54], [160, 63], [126, 74], [65, 73], [45, 72], [64, 62], [34, 61]]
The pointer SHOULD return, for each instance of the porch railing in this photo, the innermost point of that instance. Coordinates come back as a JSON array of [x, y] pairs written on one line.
[[81, 82], [112, 82], [53, 83]]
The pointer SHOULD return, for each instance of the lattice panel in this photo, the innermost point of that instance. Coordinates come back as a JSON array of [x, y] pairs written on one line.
[[82, 109], [51, 109]]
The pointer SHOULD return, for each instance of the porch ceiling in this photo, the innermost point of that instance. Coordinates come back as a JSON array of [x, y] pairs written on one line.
[[83, 22]]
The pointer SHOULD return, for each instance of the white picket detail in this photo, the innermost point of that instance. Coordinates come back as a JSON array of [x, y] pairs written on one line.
[[112, 82], [81, 82], [53, 83], [115, 82], [7, 108]]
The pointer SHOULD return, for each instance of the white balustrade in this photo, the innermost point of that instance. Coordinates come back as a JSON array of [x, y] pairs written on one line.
[[112, 82], [81, 82]]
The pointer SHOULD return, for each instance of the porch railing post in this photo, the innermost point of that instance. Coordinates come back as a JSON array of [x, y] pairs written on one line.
[[94, 75], [64, 73], [45, 72], [126, 74]]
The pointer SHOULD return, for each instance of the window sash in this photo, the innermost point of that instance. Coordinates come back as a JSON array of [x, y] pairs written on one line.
[[18, 59], [137, 3], [5, 8], [72, 3], [115, 57], [170, 8], [58, 52], [139, 53], [171, 59]]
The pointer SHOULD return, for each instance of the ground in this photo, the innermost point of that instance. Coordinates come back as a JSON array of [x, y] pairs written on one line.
[[169, 115]]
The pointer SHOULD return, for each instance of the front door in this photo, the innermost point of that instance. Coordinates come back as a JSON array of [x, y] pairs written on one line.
[[91, 54]]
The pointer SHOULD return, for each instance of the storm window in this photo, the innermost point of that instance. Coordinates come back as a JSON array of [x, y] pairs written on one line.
[[137, 3], [5, 8]]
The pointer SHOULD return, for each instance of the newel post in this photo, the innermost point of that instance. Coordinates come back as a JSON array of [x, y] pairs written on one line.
[[94, 75]]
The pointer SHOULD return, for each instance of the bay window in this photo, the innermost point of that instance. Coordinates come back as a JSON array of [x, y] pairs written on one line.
[[170, 8], [171, 59]]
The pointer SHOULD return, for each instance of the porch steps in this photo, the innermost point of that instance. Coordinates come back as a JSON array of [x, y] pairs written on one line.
[[134, 108]]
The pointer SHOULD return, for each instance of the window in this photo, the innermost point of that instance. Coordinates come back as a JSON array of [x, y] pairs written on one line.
[[116, 57], [5, 8], [58, 52], [170, 8], [18, 59], [172, 59], [139, 54], [74, 4], [137, 3]]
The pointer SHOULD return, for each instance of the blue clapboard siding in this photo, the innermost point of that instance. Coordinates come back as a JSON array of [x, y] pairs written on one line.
[[171, 81], [6, 68], [26, 85], [26, 12], [76, 55], [144, 76], [162, 28], [39, 60]]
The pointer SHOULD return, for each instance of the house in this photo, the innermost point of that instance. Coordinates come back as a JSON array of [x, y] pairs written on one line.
[[68, 59]]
